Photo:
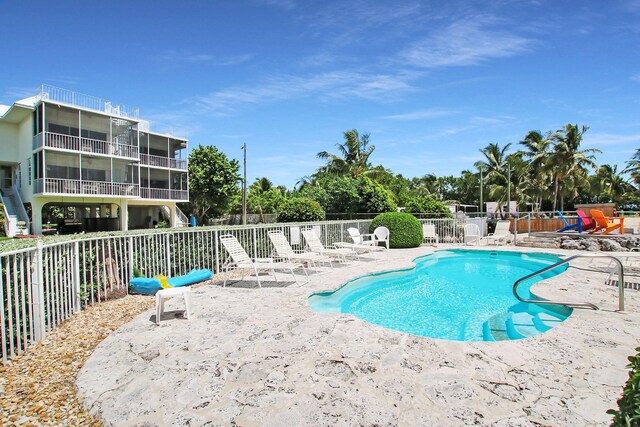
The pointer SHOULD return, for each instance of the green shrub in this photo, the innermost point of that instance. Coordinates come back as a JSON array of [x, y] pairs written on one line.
[[427, 204], [628, 412], [300, 209], [405, 231]]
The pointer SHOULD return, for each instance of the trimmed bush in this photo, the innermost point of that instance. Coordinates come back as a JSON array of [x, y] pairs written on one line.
[[300, 209], [405, 231], [628, 412]]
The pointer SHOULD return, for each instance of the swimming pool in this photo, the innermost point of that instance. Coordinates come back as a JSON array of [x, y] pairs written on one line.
[[463, 295]]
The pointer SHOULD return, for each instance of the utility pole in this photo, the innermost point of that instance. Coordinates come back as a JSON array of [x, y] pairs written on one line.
[[509, 191], [244, 186], [481, 205]]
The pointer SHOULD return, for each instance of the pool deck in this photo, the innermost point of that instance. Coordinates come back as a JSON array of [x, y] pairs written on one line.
[[253, 356]]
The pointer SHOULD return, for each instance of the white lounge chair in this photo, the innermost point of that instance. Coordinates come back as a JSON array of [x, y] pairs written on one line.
[[314, 243], [501, 235], [238, 259], [472, 234], [362, 242], [284, 250], [429, 231]]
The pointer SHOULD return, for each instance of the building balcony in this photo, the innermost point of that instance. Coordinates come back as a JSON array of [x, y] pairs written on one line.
[[162, 162], [164, 194], [66, 187], [85, 145]]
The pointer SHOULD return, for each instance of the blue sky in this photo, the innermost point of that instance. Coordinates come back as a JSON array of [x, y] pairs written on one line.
[[431, 81]]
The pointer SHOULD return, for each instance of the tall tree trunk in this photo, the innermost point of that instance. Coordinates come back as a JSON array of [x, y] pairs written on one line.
[[555, 194]]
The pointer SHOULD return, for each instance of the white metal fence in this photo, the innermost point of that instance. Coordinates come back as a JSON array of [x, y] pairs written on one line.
[[43, 286]]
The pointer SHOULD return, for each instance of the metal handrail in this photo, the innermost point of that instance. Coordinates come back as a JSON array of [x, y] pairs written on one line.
[[515, 226], [574, 304]]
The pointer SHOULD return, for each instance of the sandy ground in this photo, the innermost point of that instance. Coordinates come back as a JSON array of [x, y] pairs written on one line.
[[252, 356]]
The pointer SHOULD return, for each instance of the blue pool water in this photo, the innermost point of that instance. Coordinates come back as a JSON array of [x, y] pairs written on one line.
[[457, 295]]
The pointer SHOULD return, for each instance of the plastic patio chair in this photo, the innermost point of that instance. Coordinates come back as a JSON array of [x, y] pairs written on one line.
[[285, 251], [429, 231], [362, 242], [315, 245], [501, 235], [567, 227], [238, 259], [604, 224], [472, 234]]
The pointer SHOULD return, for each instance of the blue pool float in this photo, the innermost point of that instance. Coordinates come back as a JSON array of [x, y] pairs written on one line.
[[151, 285]]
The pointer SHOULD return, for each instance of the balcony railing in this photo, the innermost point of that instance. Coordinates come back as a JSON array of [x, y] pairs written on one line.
[[163, 194], [85, 188], [86, 145], [163, 162], [52, 93]]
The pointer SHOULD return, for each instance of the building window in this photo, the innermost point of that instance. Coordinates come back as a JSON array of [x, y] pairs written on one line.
[[28, 171]]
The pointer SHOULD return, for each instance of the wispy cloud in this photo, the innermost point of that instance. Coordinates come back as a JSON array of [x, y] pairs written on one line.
[[282, 4], [324, 86], [465, 42], [185, 57], [431, 113], [16, 93], [607, 140], [636, 77]]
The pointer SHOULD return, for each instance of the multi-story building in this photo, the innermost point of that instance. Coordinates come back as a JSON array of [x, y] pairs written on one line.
[[79, 163]]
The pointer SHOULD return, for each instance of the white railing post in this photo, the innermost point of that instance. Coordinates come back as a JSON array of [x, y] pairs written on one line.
[[37, 294], [255, 244], [168, 255], [76, 277], [130, 250]]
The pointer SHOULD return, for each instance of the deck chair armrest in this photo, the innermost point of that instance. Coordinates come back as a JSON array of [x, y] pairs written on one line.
[[263, 260]]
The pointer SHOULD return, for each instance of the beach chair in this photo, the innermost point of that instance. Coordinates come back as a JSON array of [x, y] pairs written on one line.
[[587, 222], [362, 243], [569, 227], [472, 234], [501, 235], [239, 260], [284, 250], [604, 224], [429, 231], [315, 245], [381, 235]]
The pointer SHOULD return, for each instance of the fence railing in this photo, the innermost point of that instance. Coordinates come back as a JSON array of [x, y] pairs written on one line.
[[43, 286], [87, 145], [52, 93], [87, 188], [164, 162]]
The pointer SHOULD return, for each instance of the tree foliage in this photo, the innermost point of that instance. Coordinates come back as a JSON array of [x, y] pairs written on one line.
[[213, 182], [300, 209]]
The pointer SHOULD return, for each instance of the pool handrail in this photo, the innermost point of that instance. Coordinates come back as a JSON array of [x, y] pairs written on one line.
[[574, 304]]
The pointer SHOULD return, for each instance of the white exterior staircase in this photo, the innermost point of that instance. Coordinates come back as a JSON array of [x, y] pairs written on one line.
[[180, 220], [16, 218]]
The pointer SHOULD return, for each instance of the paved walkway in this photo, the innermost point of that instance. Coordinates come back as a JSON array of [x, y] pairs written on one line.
[[261, 357]]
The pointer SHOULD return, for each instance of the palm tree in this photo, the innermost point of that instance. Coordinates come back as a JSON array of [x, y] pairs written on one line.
[[261, 185], [353, 157], [612, 183], [537, 151], [568, 161], [633, 167], [495, 166]]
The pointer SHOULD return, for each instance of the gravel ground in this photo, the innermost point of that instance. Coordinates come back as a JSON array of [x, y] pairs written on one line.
[[38, 388]]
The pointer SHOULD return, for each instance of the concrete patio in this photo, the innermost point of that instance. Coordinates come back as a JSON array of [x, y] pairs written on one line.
[[253, 356]]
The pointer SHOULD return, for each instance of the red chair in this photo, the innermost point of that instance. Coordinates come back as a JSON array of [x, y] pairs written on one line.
[[587, 222]]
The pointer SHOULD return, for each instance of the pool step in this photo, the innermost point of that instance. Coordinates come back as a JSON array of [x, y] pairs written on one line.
[[518, 325]]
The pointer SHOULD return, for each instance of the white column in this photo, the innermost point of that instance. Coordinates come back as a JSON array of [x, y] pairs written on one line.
[[36, 215], [124, 215], [172, 214]]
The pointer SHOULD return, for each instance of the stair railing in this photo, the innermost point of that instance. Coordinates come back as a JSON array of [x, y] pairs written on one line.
[[515, 227], [569, 303]]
